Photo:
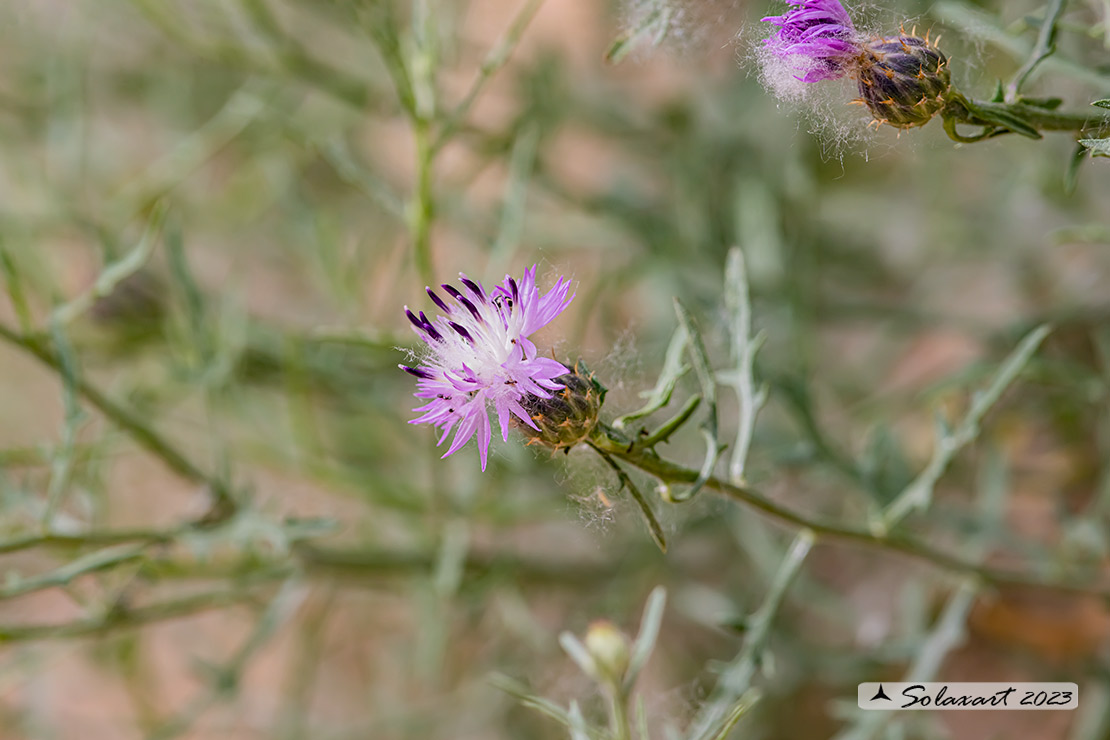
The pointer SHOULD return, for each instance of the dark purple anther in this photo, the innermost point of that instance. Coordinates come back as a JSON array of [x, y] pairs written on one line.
[[461, 332], [472, 308], [474, 288], [437, 300], [452, 291], [417, 371], [423, 324]]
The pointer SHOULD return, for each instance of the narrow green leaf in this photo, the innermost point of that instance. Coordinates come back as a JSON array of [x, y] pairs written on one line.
[[577, 726], [673, 370], [1046, 103], [1071, 175], [641, 719], [672, 425], [656, 23], [700, 360], [645, 639], [744, 348], [91, 563], [513, 203], [579, 654], [1013, 123], [619, 49], [1097, 147], [997, 114], [116, 272], [654, 526], [14, 283], [1104, 103], [528, 699], [742, 706], [918, 495], [61, 467]]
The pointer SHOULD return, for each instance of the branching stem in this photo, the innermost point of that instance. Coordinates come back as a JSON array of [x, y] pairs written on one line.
[[614, 444], [39, 347]]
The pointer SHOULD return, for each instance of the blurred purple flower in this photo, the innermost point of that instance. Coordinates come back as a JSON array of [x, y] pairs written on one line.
[[481, 355], [819, 35]]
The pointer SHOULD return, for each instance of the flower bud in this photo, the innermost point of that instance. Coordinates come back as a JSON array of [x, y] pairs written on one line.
[[903, 80], [609, 648], [569, 415]]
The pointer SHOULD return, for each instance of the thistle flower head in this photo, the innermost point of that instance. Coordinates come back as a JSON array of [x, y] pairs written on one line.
[[903, 80], [479, 355], [816, 37]]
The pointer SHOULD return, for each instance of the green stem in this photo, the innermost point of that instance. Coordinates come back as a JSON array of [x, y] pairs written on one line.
[[223, 505], [422, 61], [613, 443], [919, 493], [672, 425], [89, 539], [618, 715], [1046, 45], [422, 207], [737, 677], [1048, 120], [127, 618], [1016, 116], [105, 559], [495, 59]]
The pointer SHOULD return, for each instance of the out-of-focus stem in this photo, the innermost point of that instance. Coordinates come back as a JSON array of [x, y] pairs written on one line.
[[113, 620], [1046, 45], [223, 505], [616, 445], [618, 716], [736, 679], [422, 207], [494, 60]]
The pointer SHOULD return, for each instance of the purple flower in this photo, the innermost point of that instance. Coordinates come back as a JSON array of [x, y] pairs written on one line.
[[480, 354], [819, 36]]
